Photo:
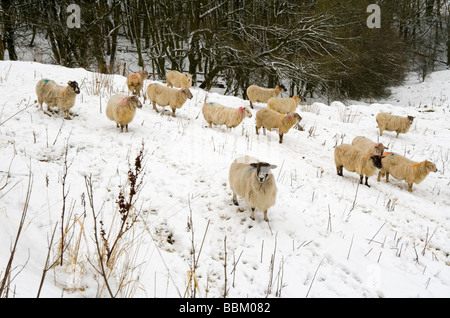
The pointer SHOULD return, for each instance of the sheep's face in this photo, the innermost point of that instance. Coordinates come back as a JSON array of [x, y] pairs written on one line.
[[74, 86], [411, 119], [186, 92], [136, 102], [262, 170], [295, 116], [188, 78], [245, 111], [430, 166], [376, 159], [281, 87]]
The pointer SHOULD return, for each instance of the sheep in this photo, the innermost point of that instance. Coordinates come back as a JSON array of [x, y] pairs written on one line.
[[394, 123], [218, 114], [355, 160], [253, 180], [177, 79], [403, 168], [165, 96], [121, 109], [259, 94], [135, 82], [284, 105], [55, 95], [270, 119], [368, 146]]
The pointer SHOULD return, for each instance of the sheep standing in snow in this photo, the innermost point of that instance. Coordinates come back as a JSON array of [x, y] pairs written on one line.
[[165, 96], [55, 95], [270, 119], [355, 160], [135, 82], [217, 114], [259, 94], [177, 79], [121, 109], [368, 146], [284, 105], [394, 123], [253, 180], [405, 169]]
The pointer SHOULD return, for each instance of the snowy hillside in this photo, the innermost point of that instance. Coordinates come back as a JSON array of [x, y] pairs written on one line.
[[327, 235]]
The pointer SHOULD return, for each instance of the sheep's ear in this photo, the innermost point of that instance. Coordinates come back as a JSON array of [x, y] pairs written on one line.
[[254, 165], [273, 166]]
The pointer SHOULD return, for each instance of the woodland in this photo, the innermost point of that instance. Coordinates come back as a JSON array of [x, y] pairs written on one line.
[[321, 47]]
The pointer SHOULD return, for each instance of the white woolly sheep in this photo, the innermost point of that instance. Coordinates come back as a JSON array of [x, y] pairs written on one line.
[[135, 82], [394, 123], [177, 79], [259, 94], [121, 109], [218, 114], [165, 96], [270, 119], [355, 160], [284, 105], [368, 146], [251, 179], [403, 168], [55, 95]]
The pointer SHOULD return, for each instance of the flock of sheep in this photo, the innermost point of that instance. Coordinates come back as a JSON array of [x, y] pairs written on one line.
[[248, 177]]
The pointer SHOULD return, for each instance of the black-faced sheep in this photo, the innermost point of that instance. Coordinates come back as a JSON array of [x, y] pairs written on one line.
[[218, 114], [55, 95], [177, 79], [368, 146], [253, 180], [135, 82], [390, 122], [270, 119], [121, 109], [405, 169], [259, 94], [355, 160], [165, 96]]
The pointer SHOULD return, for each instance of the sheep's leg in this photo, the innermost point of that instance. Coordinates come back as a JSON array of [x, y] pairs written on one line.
[[40, 103], [339, 170], [154, 107], [257, 130], [387, 176], [397, 134], [265, 216], [264, 130], [367, 183], [410, 187], [252, 216], [361, 179], [126, 126], [121, 128], [235, 201], [251, 105], [173, 112], [379, 176], [281, 138]]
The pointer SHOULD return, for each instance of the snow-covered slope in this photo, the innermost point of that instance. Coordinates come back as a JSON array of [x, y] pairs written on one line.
[[327, 235]]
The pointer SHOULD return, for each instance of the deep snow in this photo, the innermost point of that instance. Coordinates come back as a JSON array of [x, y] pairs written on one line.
[[327, 236]]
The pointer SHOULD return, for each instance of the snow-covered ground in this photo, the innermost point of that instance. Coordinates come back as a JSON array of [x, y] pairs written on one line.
[[327, 235]]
